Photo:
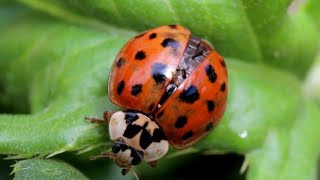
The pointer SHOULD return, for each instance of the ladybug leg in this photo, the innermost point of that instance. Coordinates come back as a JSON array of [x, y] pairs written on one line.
[[153, 163], [109, 155], [106, 116], [128, 169], [105, 120]]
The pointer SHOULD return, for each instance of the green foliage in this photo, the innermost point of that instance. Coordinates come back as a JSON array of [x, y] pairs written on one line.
[[55, 58], [45, 169]]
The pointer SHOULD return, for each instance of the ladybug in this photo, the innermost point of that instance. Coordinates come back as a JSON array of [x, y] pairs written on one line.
[[173, 87]]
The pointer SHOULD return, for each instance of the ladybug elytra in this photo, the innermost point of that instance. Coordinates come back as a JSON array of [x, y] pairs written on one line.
[[173, 86]]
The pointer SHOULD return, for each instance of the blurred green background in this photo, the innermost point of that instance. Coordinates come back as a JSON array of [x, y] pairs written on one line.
[[55, 58]]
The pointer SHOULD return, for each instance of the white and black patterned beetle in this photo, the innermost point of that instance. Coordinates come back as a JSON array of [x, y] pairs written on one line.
[[135, 137]]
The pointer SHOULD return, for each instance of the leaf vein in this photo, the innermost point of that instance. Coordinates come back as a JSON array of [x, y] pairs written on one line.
[[173, 11], [116, 8], [252, 33]]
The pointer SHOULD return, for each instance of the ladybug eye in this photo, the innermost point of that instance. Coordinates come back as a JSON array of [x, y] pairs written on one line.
[[116, 148]]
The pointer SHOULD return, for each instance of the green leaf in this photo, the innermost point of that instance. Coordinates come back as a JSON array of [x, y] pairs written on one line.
[[55, 71], [312, 9], [260, 32], [312, 83], [45, 169], [289, 152], [59, 96]]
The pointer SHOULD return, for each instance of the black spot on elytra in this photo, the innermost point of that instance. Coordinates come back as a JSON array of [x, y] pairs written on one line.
[[209, 126], [145, 138], [120, 62], [131, 131], [158, 135], [189, 95], [168, 42], [187, 135], [211, 73], [222, 63], [210, 105], [173, 26], [136, 89], [169, 90], [130, 116], [158, 72], [181, 122], [160, 114], [223, 87], [120, 87], [152, 36], [140, 35], [140, 55]]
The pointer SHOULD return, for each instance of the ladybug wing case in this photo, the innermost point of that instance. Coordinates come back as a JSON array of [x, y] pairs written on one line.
[[143, 69], [169, 56], [197, 105]]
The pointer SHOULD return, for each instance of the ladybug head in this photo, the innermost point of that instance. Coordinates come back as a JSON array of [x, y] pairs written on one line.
[[125, 155]]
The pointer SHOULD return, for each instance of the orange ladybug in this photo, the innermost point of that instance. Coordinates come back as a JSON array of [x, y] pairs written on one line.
[[174, 87]]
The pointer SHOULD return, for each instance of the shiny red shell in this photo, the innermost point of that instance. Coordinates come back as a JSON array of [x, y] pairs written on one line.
[[148, 64]]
